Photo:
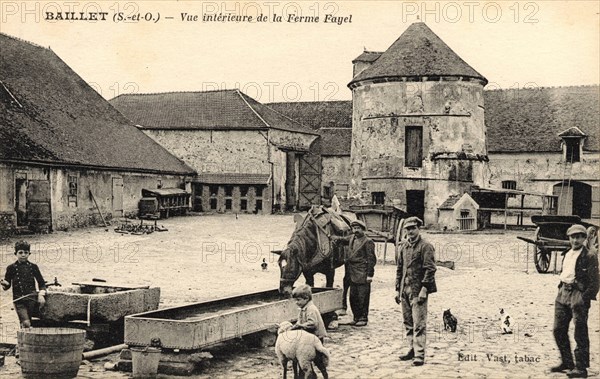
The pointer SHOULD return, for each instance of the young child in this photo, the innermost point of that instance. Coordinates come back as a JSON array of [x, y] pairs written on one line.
[[309, 317], [22, 276]]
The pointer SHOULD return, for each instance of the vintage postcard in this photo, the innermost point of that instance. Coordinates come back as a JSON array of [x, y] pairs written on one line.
[[173, 172]]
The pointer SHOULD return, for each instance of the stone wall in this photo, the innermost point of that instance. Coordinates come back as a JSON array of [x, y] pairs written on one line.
[[336, 169], [217, 151], [451, 114]]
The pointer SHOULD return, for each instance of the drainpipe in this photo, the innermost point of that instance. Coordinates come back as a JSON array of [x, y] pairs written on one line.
[[102, 352], [271, 177]]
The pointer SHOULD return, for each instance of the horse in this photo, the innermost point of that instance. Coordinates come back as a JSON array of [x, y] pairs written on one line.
[[310, 250]]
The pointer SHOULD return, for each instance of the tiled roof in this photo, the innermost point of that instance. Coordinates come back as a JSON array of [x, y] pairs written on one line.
[[232, 178], [367, 56], [318, 114], [223, 109], [450, 202], [336, 141], [418, 52], [525, 120], [49, 115]]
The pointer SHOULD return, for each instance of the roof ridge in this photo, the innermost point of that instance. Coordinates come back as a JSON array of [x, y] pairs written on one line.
[[542, 87], [336, 127], [172, 92], [241, 95], [310, 102], [290, 119], [25, 41]]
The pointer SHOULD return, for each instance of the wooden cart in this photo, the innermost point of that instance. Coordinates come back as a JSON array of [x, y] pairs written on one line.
[[551, 236], [384, 223], [169, 202]]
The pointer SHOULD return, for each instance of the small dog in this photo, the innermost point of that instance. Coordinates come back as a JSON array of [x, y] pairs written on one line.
[[505, 322], [450, 321], [302, 348]]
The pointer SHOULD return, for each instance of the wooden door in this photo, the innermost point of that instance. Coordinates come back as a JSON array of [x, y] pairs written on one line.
[[117, 197], [415, 203], [39, 213], [309, 181]]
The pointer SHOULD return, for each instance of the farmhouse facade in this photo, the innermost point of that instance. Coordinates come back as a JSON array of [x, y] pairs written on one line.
[[67, 157]]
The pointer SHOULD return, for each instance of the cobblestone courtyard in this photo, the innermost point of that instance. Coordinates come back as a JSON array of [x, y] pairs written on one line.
[[207, 257]]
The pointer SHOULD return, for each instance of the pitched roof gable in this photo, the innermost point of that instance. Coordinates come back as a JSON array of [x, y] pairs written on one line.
[[418, 52], [221, 109], [572, 132], [367, 56], [49, 115]]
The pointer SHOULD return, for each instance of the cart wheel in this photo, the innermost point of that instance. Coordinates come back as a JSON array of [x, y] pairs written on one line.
[[542, 260], [592, 239], [400, 235]]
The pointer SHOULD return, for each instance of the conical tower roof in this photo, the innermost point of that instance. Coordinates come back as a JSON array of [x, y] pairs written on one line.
[[418, 52]]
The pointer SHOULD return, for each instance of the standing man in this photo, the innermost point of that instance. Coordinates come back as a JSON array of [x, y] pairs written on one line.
[[415, 280], [360, 268], [578, 287]]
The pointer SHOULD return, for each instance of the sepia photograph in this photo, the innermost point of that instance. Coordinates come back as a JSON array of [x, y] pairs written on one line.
[[303, 189]]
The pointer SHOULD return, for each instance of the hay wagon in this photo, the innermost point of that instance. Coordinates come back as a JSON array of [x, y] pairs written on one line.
[[551, 236]]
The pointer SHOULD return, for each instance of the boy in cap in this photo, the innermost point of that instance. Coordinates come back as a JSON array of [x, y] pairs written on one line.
[[22, 276], [578, 287], [415, 280], [360, 268]]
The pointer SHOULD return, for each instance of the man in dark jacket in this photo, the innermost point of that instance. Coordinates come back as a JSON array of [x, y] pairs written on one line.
[[578, 287], [415, 280], [360, 268]]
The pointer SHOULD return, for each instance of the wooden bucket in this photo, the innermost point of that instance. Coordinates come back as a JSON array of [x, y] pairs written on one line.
[[50, 352]]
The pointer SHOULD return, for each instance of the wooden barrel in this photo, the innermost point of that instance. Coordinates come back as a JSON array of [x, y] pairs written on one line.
[[50, 352]]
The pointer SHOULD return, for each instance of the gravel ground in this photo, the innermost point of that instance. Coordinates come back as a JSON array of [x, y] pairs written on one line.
[[207, 257]]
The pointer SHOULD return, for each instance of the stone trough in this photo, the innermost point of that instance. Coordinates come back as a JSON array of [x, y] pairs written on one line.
[[98, 302]]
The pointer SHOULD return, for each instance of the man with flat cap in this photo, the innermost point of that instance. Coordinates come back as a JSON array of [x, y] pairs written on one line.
[[415, 280], [360, 267], [578, 287]]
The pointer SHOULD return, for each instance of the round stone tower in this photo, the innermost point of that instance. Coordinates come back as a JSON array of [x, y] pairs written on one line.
[[418, 131]]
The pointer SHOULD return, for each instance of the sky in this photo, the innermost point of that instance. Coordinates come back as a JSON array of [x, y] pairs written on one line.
[[514, 44]]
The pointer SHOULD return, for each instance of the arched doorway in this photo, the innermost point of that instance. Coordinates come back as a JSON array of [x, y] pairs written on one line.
[[574, 198]]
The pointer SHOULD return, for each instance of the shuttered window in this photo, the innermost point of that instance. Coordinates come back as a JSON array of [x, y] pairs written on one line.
[[413, 149]]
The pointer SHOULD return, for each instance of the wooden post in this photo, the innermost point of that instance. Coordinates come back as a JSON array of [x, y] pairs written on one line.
[[505, 209], [522, 203], [98, 208]]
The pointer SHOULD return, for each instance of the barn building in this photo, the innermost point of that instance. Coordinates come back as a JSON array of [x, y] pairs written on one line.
[[66, 155], [249, 158]]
